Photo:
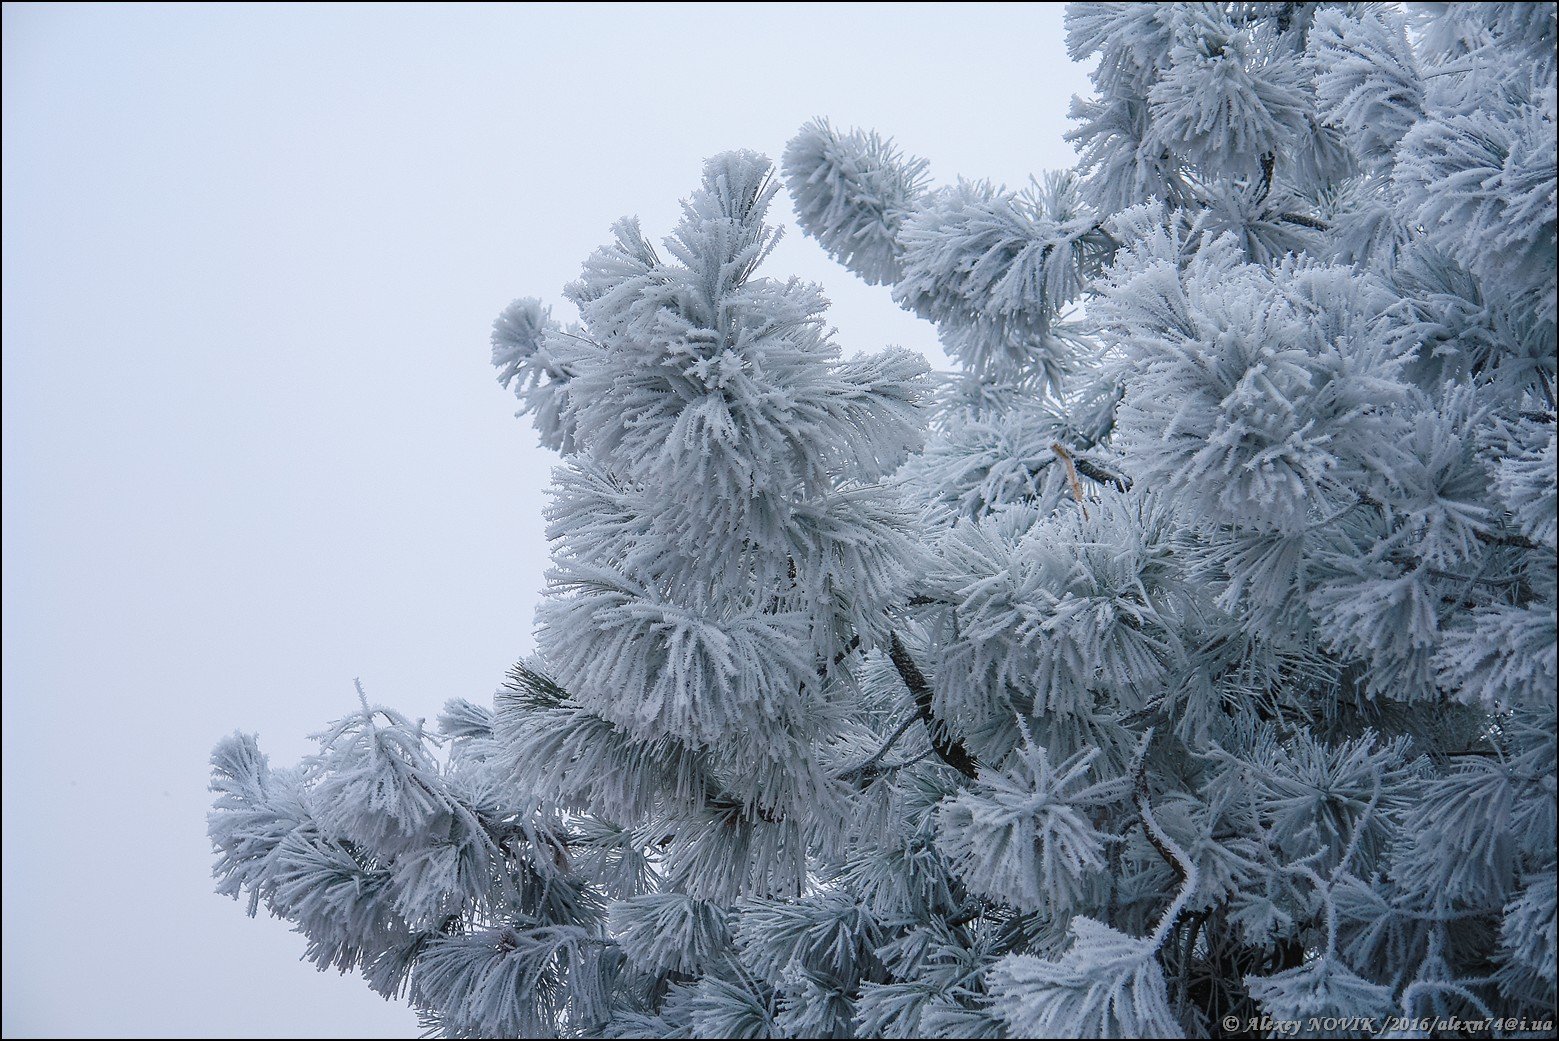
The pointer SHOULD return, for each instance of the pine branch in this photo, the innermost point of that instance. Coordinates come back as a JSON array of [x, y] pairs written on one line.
[[952, 753], [1155, 837], [965, 918], [893, 739], [1488, 538], [1268, 166], [1182, 865], [847, 650], [1076, 463], [1304, 222], [721, 802], [1094, 472], [536, 692]]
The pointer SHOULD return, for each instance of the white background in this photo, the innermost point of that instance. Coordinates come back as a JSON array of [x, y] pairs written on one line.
[[252, 443]]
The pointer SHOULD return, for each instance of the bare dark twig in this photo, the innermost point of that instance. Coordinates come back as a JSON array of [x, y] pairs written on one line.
[[1094, 472], [951, 752]]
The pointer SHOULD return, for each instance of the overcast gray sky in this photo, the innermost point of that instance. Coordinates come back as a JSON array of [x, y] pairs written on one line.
[[252, 444]]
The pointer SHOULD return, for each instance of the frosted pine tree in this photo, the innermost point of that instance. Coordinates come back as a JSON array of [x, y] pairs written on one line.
[[1185, 658]]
